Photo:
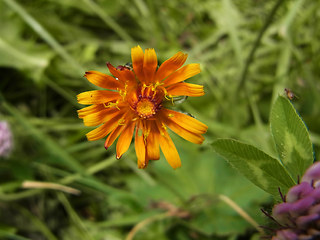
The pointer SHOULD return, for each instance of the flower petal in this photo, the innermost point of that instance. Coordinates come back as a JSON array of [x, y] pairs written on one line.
[[113, 136], [182, 132], [104, 129], [185, 121], [97, 96], [90, 109], [153, 151], [182, 74], [186, 89], [103, 80], [102, 116], [168, 148], [125, 138], [137, 62], [150, 64], [170, 65], [140, 146]]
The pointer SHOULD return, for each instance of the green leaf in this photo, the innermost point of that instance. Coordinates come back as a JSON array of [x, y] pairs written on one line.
[[291, 138], [260, 168]]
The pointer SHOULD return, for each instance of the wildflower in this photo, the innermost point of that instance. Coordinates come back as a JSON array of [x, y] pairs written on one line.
[[134, 105], [299, 215], [5, 139]]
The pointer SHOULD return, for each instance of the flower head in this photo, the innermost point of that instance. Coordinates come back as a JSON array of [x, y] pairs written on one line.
[[299, 214], [134, 105], [5, 139]]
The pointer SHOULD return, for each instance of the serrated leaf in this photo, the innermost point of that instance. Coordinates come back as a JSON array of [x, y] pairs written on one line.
[[291, 138], [260, 168]]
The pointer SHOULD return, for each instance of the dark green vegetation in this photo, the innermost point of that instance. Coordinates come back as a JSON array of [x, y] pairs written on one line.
[[47, 45]]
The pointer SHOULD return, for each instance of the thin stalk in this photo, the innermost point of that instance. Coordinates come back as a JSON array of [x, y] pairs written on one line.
[[147, 222], [257, 43], [37, 223], [78, 223], [43, 33], [49, 185], [118, 29], [142, 174], [241, 212]]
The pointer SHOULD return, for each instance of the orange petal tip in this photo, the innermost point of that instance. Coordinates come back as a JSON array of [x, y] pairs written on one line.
[[142, 165], [176, 167]]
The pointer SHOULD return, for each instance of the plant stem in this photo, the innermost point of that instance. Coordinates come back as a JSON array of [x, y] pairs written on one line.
[[241, 212], [44, 34], [257, 43]]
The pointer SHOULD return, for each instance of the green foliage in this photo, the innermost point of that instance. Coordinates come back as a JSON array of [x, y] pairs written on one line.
[[292, 144], [47, 45], [291, 137], [263, 170], [196, 186]]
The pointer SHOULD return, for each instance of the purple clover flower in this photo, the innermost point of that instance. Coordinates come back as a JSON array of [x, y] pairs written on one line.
[[299, 214], [5, 139]]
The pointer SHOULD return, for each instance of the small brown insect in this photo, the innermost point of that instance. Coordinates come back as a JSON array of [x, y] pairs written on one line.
[[290, 94], [127, 66]]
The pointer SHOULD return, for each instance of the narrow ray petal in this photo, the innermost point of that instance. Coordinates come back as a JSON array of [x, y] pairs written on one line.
[[153, 151], [140, 146], [150, 64], [113, 136], [185, 121], [104, 129], [182, 132], [170, 65], [97, 96], [125, 139], [182, 74], [168, 148], [90, 109], [103, 80], [102, 116], [185, 89], [137, 62]]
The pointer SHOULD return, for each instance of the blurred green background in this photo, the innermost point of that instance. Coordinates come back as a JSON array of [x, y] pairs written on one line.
[[45, 48]]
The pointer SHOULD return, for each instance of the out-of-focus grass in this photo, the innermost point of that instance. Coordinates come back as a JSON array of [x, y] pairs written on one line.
[[45, 47]]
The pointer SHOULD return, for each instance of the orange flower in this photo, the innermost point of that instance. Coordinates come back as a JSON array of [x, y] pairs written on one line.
[[133, 104]]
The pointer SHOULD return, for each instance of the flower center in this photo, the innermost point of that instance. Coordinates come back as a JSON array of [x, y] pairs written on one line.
[[145, 108], [145, 100]]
